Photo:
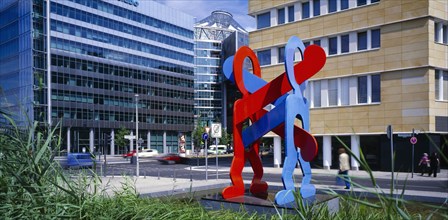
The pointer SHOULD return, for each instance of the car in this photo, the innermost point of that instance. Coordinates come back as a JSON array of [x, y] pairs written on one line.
[[222, 149], [170, 158], [148, 153], [80, 160], [129, 154]]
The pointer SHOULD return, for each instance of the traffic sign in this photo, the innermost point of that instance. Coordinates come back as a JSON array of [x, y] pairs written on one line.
[[413, 140], [216, 130], [130, 137], [204, 136]]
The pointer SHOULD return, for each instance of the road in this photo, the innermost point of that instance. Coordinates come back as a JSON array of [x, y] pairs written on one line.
[[151, 167]]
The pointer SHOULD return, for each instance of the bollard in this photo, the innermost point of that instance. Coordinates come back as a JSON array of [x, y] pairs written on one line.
[[174, 175], [191, 178], [113, 172], [158, 173], [145, 174]]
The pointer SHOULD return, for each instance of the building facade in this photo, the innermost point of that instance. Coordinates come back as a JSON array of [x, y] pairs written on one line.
[[387, 64], [216, 37], [89, 64]]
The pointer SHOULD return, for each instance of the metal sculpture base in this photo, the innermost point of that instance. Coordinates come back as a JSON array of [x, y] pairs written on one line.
[[252, 204]]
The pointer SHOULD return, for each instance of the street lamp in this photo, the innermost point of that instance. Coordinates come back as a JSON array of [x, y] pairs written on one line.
[[136, 133]]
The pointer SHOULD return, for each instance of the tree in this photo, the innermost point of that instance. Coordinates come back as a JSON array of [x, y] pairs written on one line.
[[197, 136], [120, 141]]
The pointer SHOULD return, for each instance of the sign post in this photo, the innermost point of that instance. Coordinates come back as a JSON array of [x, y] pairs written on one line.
[[216, 133], [390, 135], [205, 137], [413, 141]]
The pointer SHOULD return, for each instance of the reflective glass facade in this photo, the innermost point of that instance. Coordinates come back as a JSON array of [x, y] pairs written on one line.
[[103, 53], [210, 91]]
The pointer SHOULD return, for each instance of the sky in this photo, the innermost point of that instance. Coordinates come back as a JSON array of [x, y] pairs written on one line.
[[203, 8]]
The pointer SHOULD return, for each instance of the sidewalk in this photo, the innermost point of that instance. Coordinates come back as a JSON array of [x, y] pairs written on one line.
[[156, 187]]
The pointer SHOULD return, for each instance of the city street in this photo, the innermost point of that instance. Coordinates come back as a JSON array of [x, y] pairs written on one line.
[[152, 168]]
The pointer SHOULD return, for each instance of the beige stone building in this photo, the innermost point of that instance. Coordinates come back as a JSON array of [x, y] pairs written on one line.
[[387, 64]]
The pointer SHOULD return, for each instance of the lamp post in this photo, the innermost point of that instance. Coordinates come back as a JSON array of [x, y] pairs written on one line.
[[136, 133]]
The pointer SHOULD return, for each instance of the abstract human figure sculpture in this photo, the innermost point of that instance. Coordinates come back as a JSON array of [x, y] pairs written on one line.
[[286, 93]]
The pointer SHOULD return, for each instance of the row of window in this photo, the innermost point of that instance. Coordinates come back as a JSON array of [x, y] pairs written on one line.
[[9, 15], [306, 10], [208, 95], [137, 17], [82, 97], [441, 85], [207, 61], [340, 44], [441, 32], [85, 49], [9, 32], [78, 64], [208, 45], [100, 115], [344, 91], [118, 41], [94, 83], [118, 26]]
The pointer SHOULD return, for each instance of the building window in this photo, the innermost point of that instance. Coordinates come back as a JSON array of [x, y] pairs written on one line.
[[345, 91], [281, 16], [440, 32], [332, 6], [362, 89], [376, 88], [316, 42], [333, 92], [345, 44], [376, 38], [316, 93], [306, 44], [281, 54], [374, 1], [264, 57], [344, 4], [291, 13], [441, 85], [362, 40], [316, 7], [361, 2], [264, 20], [333, 45], [305, 10]]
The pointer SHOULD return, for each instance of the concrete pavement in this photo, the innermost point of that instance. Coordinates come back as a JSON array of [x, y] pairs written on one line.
[[156, 187]]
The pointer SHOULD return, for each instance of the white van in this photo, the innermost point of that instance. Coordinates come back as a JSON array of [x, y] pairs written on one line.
[[222, 149]]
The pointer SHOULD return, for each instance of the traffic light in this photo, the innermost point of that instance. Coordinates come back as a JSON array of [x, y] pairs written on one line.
[[108, 138]]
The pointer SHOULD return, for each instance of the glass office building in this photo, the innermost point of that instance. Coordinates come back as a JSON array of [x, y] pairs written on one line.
[[217, 37], [85, 72]]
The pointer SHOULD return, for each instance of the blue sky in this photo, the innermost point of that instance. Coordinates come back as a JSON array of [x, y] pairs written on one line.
[[203, 8]]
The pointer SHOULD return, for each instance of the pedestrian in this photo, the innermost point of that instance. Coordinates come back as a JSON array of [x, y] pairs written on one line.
[[344, 167], [434, 164], [424, 163]]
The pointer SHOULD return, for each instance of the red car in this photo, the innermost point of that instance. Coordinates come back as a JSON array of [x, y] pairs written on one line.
[[170, 158], [129, 154]]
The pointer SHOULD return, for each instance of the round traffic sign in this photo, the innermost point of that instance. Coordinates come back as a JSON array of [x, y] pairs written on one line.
[[413, 140], [204, 136]]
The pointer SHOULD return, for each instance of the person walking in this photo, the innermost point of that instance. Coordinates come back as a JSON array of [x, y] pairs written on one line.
[[434, 164], [424, 163], [344, 167]]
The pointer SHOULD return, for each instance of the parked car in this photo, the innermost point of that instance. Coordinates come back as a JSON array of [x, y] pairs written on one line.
[[79, 160], [148, 153], [170, 158], [222, 149]]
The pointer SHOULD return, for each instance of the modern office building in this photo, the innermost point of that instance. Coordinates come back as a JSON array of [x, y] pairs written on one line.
[[387, 64], [216, 37], [82, 63]]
